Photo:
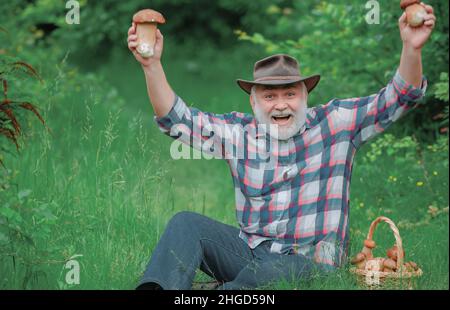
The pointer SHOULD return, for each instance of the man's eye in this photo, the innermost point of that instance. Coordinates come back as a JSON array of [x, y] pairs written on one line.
[[291, 94], [268, 97]]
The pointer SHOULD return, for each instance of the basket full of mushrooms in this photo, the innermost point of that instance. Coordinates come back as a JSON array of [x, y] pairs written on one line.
[[374, 272]]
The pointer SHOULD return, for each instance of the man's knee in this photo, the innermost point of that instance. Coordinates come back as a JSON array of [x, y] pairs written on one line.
[[186, 219]]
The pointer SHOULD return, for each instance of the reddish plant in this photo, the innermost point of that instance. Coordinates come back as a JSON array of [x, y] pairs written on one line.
[[9, 123]]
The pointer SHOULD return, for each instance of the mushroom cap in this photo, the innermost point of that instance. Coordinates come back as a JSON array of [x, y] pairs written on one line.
[[369, 243], [415, 15], [148, 16], [358, 258], [405, 3], [390, 264], [393, 253]]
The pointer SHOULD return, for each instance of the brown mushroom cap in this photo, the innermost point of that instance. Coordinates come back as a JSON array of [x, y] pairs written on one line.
[[405, 3], [393, 253], [358, 258], [390, 264], [369, 243], [148, 16]]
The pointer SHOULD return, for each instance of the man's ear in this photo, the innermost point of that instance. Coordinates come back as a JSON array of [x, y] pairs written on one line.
[[252, 101]]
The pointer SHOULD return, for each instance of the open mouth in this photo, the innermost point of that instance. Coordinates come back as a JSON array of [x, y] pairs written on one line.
[[281, 120]]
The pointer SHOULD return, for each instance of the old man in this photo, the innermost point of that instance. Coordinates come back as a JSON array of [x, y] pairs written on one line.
[[292, 211]]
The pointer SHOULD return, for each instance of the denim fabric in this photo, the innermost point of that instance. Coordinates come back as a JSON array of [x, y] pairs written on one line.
[[193, 241]]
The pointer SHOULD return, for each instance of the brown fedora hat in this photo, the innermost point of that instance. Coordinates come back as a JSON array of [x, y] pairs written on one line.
[[278, 69]]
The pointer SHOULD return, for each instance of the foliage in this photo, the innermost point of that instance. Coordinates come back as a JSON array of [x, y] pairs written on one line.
[[355, 58], [441, 93], [404, 149], [331, 38], [442, 87], [25, 227], [105, 23]]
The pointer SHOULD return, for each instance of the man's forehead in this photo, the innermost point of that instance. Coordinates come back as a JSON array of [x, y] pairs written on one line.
[[274, 87]]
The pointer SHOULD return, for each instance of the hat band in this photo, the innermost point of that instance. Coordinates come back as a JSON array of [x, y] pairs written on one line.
[[284, 77]]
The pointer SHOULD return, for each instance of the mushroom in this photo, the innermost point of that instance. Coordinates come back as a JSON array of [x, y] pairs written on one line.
[[392, 253], [146, 23], [389, 265], [359, 260], [415, 13], [367, 249]]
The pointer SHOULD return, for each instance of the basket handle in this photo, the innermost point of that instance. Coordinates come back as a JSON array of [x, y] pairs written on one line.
[[398, 239]]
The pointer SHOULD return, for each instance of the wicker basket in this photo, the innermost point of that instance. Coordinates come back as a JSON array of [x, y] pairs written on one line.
[[373, 279]]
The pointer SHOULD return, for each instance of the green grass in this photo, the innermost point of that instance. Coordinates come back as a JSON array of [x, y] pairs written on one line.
[[106, 176]]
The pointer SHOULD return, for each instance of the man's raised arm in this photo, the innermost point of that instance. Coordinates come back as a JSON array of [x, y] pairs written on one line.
[[365, 117], [159, 91], [413, 40], [203, 131]]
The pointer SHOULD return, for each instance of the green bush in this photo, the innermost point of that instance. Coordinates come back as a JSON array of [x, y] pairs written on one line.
[[104, 23]]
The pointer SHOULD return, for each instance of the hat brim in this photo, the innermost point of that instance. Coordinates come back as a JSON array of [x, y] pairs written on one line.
[[310, 82]]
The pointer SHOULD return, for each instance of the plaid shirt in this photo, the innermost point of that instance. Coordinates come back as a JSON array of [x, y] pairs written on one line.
[[301, 203]]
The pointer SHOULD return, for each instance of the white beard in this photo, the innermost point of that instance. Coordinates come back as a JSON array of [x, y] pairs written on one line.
[[281, 132]]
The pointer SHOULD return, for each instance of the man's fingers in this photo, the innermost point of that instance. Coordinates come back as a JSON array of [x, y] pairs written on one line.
[[429, 17], [132, 37], [132, 29], [428, 8], [159, 40], [430, 20], [159, 35], [132, 44], [429, 23], [402, 19]]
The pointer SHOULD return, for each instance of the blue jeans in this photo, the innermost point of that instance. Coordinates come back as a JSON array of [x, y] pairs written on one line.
[[193, 241]]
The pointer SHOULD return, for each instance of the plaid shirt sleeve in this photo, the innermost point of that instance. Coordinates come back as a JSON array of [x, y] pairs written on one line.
[[368, 116], [203, 131]]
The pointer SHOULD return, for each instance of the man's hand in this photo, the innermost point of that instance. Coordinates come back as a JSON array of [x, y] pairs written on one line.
[[132, 44], [416, 37]]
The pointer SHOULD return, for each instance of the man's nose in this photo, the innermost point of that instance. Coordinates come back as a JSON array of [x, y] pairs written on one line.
[[281, 106]]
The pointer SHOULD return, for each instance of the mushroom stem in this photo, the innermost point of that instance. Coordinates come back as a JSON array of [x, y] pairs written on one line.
[[146, 38]]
